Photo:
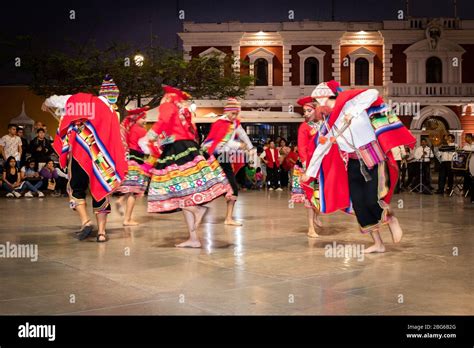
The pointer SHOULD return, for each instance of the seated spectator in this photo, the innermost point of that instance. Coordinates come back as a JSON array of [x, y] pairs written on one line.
[[13, 183], [41, 149], [259, 178], [30, 173], [53, 179], [249, 177]]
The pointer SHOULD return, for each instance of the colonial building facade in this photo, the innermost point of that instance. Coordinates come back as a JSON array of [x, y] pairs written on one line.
[[424, 68]]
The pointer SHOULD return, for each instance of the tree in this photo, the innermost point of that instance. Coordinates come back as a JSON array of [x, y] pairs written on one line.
[[83, 68]]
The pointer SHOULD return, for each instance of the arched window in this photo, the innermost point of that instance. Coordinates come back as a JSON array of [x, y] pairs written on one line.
[[261, 72], [361, 72], [311, 71], [434, 70]]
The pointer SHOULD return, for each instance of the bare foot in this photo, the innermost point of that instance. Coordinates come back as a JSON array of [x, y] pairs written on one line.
[[317, 221], [119, 207], [200, 216], [312, 234], [375, 249], [131, 223], [395, 229], [189, 244], [232, 223]]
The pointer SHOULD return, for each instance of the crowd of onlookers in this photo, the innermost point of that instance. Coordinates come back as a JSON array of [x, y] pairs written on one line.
[[27, 165], [271, 168]]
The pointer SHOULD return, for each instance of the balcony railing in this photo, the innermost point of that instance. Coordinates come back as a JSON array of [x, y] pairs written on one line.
[[430, 90], [289, 92]]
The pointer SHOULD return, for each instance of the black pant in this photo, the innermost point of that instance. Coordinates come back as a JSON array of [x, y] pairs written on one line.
[[445, 172], [411, 169], [273, 178], [229, 173], [78, 185], [283, 177], [364, 195]]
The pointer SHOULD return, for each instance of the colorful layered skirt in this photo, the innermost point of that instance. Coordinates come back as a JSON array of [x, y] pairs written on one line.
[[136, 180], [306, 193], [183, 177]]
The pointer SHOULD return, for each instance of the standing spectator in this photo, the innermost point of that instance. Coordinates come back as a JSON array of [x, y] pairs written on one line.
[[469, 146], [40, 148], [24, 145], [290, 162], [283, 151], [52, 180], [10, 145], [446, 158], [399, 155], [411, 167], [424, 154], [13, 183], [271, 160], [30, 174]]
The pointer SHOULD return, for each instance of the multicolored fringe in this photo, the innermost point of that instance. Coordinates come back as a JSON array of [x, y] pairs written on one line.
[[177, 186], [299, 192], [136, 180]]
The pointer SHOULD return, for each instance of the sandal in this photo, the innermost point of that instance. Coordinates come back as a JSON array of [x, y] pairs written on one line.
[[99, 240], [85, 231]]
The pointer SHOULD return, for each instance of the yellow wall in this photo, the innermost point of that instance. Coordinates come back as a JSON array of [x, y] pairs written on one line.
[[11, 98]]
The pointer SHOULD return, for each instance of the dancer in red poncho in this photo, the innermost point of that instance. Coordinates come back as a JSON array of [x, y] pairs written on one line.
[[227, 140], [88, 143], [182, 179], [353, 161], [306, 192], [136, 181]]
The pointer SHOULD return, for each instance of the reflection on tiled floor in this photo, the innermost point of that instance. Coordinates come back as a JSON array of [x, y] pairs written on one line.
[[268, 266]]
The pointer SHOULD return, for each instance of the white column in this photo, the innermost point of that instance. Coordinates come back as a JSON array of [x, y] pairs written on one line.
[[236, 54], [187, 52], [286, 65], [387, 66], [336, 65]]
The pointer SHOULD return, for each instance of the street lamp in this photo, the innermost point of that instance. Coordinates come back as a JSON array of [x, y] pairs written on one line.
[[138, 59]]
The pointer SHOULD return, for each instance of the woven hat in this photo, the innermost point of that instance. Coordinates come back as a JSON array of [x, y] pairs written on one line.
[[232, 104], [109, 89]]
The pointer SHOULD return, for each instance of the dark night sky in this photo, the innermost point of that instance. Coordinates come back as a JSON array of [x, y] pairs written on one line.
[[129, 21]]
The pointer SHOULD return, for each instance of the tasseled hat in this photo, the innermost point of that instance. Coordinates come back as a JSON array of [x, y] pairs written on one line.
[[109, 88], [177, 94], [232, 104], [327, 89], [306, 101]]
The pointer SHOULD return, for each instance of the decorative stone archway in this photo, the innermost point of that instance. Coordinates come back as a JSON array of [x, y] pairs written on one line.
[[445, 113]]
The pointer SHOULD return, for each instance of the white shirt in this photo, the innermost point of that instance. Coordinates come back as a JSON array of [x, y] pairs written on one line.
[[398, 153], [468, 147], [11, 146], [359, 133], [445, 156], [232, 144], [423, 154]]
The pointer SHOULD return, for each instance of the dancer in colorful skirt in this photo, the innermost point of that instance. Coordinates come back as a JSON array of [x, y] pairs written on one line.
[[353, 160], [227, 140], [181, 178], [88, 143], [306, 192], [132, 129]]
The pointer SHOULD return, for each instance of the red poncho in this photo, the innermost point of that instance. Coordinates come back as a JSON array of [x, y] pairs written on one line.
[[333, 179], [90, 133]]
